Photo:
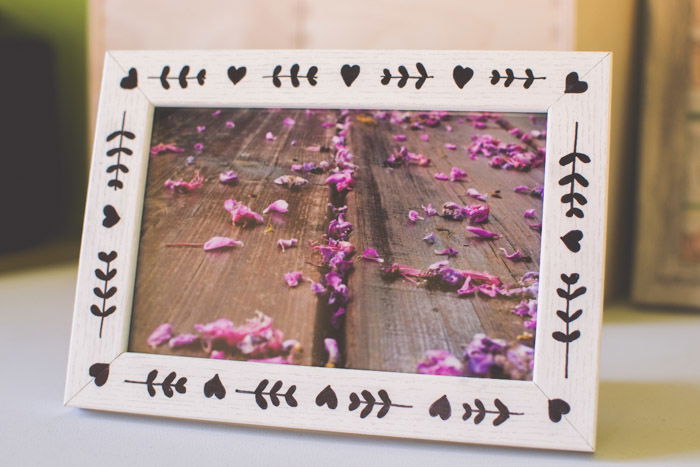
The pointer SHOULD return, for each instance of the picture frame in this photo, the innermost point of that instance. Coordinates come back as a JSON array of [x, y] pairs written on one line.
[[667, 256], [556, 410]]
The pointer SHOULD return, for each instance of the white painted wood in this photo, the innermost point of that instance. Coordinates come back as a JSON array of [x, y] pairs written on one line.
[[576, 430]]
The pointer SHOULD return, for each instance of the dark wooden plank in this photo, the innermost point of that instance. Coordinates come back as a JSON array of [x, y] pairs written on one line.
[[184, 286], [391, 325]]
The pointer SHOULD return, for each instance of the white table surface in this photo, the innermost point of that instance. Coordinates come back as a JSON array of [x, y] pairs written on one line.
[[649, 402]]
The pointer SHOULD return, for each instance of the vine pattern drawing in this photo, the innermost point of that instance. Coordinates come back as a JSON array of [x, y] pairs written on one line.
[[105, 292], [169, 386], [273, 394], [573, 197], [369, 401], [294, 76], [404, 76], [182, 78], [567, 316], [120, 149], [509, 77]]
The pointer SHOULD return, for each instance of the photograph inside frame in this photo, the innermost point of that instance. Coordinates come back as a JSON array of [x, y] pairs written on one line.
[[400, 241]]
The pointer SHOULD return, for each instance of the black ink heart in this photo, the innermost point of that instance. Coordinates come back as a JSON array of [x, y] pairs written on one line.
[[107, 257], [99, 371], [557, 408], [572, 240], [575, 85], [236, 74], [131, 80], [111, 216], [327, 396], [462, 75], [441, 407], [350, 74], [214, 387]]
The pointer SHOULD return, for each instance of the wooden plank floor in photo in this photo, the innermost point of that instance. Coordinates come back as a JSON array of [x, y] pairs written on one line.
[[389, 325], [184, 286]]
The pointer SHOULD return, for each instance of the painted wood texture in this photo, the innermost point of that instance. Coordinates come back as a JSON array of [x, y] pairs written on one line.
[[389, 325]]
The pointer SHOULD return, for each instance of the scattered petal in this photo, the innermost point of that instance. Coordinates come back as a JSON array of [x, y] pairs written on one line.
[[182, 339], [449, 251], [370, 254], [228, 177], [269, 136], [429, 210], [413, 216], [217, 243], [474, 193], [162, 333], [457, 174], [216, 113], [230, 124], [291, 181], [333, 352], [201, 128], [517, 255], [287, 243], [424, 137], [278, 206], [288, 122], [181, 186], [165, 147], [482, 233], [241, 214], [440, 362], [292, 278], [529, 214], [450, 146], [399, 138], [217, 355], [430, 238], [441, 176], [199, 147]]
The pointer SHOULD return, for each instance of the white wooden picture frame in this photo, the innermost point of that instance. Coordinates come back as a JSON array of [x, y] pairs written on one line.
[[556, 410]]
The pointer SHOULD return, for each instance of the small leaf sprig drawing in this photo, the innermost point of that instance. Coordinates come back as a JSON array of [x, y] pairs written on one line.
[[274, 394], [370, 401], [565, 315], [501, 409], [119, 150], [310, 76], [509, 77], [182, 78], [105, 292], [404, 76], [573, 197], [166, 385]]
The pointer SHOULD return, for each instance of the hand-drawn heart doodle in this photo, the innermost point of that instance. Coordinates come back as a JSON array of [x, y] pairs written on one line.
[[441, 407], [558, 408], [462, 75], [131, 80], [99, 371], [572, 240], [111, 216], [575, 85], [327, 396], [349, 73], [236, 74], [214, 387]]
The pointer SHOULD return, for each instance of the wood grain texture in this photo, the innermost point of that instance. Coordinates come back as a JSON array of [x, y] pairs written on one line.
[[389, 325]]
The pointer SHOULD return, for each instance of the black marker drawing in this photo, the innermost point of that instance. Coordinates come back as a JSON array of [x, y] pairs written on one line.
[[273, 394], [462, 75], [369, 401], [214, 387], [572, 240], [166, 385], [349, 74], [131, 80], [294, 76], [327, 397], [182, 78], [106, 292], [99, 371], [557, 408], [119, 167], [573, 197], [404, 76], [567, 316], [574, 85], [441, 407], [236, 74], [509, 77], [111, 216], [480, 410]]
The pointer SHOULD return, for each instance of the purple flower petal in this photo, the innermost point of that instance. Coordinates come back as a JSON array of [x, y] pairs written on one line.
[[241, 214], [217, 243], [457, 174], [293, 278], [482, 233], [287, 243], [162, 333], [413, 216], [182, 340], [216, 113], [474, 193], [529, 214], [440, 362], [429, 238], [399, 138], [370, 254], [291, 181], [449, 251], [450, 146], [228, 177], [269, 136], [201, 128], [441, 176], [278, 206], [333, 352], [429, 210], [424, 137], [288, 122], [230, 124]]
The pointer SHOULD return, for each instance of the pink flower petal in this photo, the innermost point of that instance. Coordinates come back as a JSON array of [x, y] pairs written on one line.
[[292, 278], [482, 233], [217, 355], [165, 147], [474, 193], [529, 214], [370, 254], [399, 138], [269, 136], [228, 177], [333, 352], [413, 216], [424, 137], [181, 186], [457, 174], [278, 206], [291, 181], [161, 334], [230, 124], [198, 147], [287, 243], [450, 146], [182, 339], [449, 251], [429, 210], [517, 255], [201, 128], [441, 176], [289, 122], [216, 113], [216, 243], [241, 214]]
